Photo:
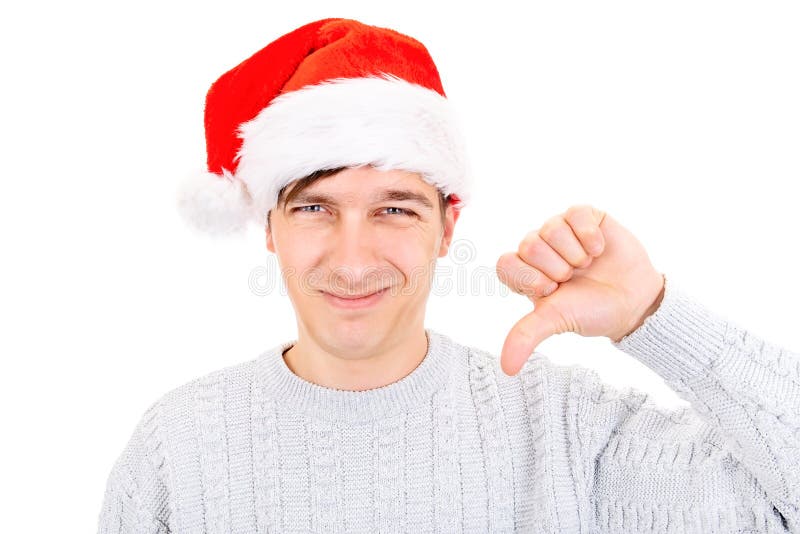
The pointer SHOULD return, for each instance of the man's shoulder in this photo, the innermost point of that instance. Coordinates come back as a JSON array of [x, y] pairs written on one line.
[[217, 383]]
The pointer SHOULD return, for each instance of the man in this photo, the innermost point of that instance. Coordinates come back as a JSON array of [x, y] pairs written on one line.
[[338, 139]]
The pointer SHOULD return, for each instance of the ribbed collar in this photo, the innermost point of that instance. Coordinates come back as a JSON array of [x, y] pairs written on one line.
[[295, 394]]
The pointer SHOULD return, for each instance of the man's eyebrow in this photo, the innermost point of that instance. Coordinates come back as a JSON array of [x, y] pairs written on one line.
[[310, 197], [403, 194]]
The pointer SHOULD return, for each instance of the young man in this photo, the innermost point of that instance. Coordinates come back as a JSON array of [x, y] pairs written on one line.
[[338, 140]]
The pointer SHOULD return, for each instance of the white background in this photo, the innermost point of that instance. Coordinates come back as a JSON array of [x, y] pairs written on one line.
[[681, 120]]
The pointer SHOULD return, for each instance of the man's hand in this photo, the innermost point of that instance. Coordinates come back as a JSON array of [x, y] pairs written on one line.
[[602, 282]]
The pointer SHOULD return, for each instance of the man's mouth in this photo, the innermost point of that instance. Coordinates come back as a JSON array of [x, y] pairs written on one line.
[[353, 296], [354, 300]]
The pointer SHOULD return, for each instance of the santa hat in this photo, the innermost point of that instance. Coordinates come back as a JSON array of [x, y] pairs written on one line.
[[332, 93]]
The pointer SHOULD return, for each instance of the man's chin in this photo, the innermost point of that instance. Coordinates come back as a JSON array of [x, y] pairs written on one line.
[[353, 334]]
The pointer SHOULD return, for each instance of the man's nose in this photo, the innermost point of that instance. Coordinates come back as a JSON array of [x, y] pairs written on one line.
[[353, 256]]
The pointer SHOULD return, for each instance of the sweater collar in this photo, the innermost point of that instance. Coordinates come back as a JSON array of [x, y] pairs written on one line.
[[295, 394]]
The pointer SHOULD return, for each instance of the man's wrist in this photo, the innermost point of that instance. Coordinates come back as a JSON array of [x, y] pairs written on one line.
[[648, 312]]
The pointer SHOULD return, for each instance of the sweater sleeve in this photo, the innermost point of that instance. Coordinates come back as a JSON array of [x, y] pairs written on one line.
[[135, 500], [727, 462]]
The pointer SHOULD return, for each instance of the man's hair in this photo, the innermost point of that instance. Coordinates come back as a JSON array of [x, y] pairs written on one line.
[[301, 184]]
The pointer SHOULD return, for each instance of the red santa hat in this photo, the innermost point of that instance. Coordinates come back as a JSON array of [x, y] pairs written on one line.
[[332, 93]]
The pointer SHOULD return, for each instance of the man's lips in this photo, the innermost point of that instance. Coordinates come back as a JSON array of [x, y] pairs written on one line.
[[354, 301], [352, 296]]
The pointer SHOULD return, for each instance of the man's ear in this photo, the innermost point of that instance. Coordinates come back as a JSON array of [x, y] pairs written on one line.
[[270, 242], [450, 217]]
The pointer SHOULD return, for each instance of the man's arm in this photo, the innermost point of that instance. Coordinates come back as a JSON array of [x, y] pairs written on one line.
[[732, 460], [135, 492]]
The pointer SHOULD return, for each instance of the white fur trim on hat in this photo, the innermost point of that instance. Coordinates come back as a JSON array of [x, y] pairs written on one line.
[[383, 121], [214, 204]]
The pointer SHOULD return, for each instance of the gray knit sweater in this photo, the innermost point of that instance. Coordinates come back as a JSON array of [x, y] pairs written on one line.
[[458, 446]]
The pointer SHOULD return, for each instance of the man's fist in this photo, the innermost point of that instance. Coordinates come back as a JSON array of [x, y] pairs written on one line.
[[585, 273]]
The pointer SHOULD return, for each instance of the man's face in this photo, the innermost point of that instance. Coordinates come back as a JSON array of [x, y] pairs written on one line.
[[352, 234]]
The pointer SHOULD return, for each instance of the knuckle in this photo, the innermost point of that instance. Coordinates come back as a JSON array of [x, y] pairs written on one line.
[[577, 209], [564, 274], [598, 213], [502, 261], [530, 246], [580, 214], [590, 230], [526, 277], [585, 262], [504, 264], [551, 228]]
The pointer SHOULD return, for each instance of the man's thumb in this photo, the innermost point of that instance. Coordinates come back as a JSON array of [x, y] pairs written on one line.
[[524, 337]]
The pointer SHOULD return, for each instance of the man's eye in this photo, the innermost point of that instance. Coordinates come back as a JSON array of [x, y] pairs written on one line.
[[401, 211], [317, 208], [303, 209]]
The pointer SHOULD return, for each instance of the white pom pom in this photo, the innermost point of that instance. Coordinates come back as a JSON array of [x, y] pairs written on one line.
[[215, 204]]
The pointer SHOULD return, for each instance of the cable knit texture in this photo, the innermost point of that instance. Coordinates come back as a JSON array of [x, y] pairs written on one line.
[[458, 446]]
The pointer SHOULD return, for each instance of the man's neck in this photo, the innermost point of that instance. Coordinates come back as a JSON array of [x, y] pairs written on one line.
[[313, 364]]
